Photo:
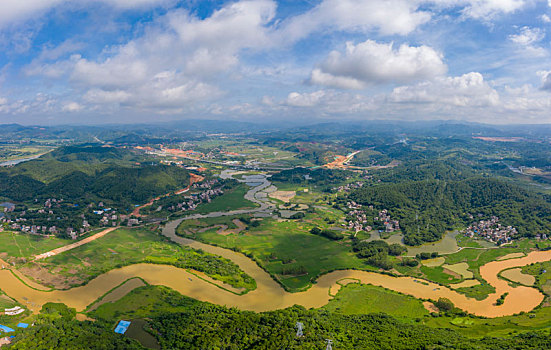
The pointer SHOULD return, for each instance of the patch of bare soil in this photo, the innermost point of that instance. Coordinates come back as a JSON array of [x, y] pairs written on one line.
[[7, 298], [452, 274], [284, 196], [430, 307], [45, 277]]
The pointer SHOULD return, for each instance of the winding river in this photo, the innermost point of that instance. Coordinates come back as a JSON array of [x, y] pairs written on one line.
[[269, 295]]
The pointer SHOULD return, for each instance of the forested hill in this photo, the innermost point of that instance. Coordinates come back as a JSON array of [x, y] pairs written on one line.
[[114, 184], [87, 158], [426, 209], [427, 170], [90, 173]]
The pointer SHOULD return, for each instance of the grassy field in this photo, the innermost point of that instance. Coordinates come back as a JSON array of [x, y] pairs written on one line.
[[542, 273], [209, 222], [130, 246], [288, 246], [438, 274], [140, 303], [364, 299], [18, 245], [19, 152], [539, 319], [231, 200]]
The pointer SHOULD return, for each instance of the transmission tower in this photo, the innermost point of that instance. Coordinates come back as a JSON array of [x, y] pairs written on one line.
[[329, 342], [299, 326]]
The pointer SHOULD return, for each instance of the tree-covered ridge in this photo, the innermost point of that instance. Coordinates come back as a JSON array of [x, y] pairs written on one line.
[[319, 176], [57, 328], [427, 208], [427, 170], [114, 184], [90, 172], [183, 323]]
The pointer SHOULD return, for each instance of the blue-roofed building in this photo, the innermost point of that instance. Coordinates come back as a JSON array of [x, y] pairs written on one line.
[[23, 325], [122, 327], [6, 329]]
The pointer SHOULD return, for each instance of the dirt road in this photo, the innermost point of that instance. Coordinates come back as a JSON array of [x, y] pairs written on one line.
[[75, 245], [193, 178]]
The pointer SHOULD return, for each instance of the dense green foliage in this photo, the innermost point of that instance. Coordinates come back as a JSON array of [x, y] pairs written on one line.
[[319, 177], [56, 328], [426, 209], [331, 234], [114, 184], [377, 252], [88, 173], [184, 323]]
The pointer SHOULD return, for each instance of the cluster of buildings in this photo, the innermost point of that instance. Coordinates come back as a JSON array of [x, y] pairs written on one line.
[[389, 224], [492, 231], [48, 221], [7, 207], [192, 201], [349, 187], [357, 218], [34, 229], [109, 216]]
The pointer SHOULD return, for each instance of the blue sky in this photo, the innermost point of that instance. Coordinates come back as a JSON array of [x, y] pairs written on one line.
[[105, 61]]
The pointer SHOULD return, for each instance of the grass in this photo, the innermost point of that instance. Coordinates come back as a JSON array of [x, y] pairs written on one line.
[[542, 273], [19, 245], [208, 222], [356, 298], [231, 200], [131, 246], [288, 245], [143, 302], [437, 274], [539, 319]]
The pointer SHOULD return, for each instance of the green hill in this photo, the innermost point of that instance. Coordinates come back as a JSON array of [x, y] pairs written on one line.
[[88, 173], [426, 209]]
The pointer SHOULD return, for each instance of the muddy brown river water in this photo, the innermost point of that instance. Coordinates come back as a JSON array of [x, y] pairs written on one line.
[[270, 296]]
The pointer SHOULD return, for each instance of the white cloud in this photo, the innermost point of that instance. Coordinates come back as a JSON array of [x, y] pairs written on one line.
[[71, 107], [13, 11], [171, 64], [482, 9], [488, 8], [545, 80], [321, 78], [16, 10], [387, 17], [374, 63], [296, 99], [527, 103], [129, 4], [545, 18], [468, 90], [3, 105], [527, 40], [328, 103], [103, 96], [527, 36]]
